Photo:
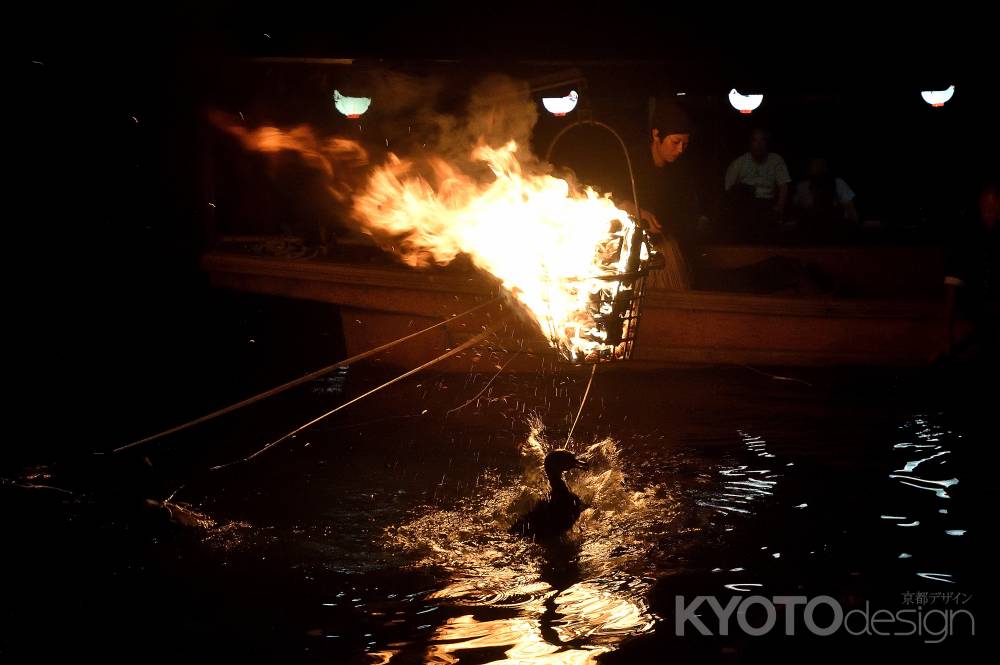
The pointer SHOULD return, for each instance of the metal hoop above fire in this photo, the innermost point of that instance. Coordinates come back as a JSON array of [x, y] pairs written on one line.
[[616, 294]]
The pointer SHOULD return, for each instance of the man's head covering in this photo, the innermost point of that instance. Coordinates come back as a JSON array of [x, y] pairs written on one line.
[[669, 118]]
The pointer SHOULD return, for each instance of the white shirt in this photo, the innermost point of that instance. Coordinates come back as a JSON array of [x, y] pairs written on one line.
[[804, 196], [764, 177]]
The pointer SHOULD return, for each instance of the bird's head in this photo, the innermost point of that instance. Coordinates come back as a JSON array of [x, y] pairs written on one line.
[[562, 460]]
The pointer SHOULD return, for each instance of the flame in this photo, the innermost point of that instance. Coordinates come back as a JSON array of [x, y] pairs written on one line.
[[335, 157], [548, 243], [564, 253]]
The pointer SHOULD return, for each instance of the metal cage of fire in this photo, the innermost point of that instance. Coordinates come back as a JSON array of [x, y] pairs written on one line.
[[622, 302]]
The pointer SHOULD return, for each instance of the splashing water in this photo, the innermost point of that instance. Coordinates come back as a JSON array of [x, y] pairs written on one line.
[[588, 585], [613, 511]]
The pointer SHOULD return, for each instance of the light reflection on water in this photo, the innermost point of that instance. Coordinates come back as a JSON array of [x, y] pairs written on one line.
[[742, 485], [928, 447], [573, 625], [925, 485], [738, 506], [501, 598], [562, 602]]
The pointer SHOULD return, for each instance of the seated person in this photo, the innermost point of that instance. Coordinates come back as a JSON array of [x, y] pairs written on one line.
[[823, 201], [757, 188]]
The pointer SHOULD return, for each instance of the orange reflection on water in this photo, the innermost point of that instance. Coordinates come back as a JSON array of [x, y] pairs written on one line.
[[568, 627]]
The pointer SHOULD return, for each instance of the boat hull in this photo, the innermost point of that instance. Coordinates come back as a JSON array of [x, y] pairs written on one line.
[[380, 303]]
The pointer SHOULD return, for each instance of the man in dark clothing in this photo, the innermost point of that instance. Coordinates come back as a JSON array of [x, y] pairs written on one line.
[[972, 273], [667, 188], [664, 180]]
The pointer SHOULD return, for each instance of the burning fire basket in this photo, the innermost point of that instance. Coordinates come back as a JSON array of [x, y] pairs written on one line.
[[605, 327]]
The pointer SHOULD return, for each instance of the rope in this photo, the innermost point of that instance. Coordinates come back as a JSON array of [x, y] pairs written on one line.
[[488, 384], [458, 349], [593, 371], [776, 377], [297, 382]]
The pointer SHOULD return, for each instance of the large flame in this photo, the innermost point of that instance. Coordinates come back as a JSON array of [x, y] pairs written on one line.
[[556, 248], [548, 243]]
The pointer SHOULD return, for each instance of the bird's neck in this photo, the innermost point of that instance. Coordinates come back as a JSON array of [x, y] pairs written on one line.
[[556, 482]]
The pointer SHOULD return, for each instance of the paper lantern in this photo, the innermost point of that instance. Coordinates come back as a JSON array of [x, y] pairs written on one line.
[[744, 103], [352, 107], [938, 98], [560, 106]]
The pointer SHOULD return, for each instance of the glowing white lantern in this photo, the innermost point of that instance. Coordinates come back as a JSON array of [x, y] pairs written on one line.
[[352, 107], [938, 97], [744, 103], [560, 106]]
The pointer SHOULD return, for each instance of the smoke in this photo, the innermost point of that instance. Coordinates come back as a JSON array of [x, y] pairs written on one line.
[[438, 151], [400, 97], [413, 121], [498, 109]]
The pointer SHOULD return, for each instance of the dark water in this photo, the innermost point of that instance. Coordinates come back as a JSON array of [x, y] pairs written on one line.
[[380, 534]]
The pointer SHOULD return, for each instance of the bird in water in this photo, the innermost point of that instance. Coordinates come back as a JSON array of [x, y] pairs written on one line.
[[558, 512]]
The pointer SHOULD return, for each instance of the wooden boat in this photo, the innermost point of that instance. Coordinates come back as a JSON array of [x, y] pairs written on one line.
[[893, 317]]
